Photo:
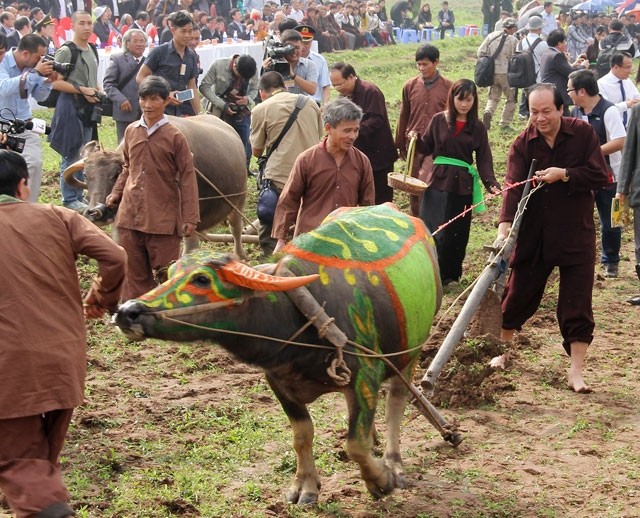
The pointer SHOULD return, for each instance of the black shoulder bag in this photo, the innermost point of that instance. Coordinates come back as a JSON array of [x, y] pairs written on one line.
[[269, 193], [485, 66]]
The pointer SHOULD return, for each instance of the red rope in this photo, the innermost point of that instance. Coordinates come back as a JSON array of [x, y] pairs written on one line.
[[490, 197]]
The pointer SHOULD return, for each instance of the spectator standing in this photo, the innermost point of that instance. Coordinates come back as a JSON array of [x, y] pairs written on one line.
[[555, 67], [75, 119], [24, 75], [22, 27], [549, 21], [506, 42], [231, 87], [606, 121], [303, 74], [323, 90], [141, 21], [570, 167], [616, 40], [120, 80], [330, 175], [453, 138], [490, 15], [533, 40], [579, 36], [375, 139], [422, 97], [44, 29], [178, 64], [617, 87], [446, 20], [44, 345], [269, 118], [156, 192], [629, 184]]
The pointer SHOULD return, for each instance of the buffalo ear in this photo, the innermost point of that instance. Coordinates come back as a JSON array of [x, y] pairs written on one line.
[[240, 274]]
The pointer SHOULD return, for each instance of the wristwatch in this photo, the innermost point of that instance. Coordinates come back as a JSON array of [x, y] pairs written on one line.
[[565, 178]]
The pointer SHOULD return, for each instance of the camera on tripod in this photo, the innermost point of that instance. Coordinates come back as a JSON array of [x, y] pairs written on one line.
[[61, 68], [278, 52]]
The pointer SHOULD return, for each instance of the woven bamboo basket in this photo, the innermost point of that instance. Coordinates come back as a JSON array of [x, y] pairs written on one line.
[[404, 181]]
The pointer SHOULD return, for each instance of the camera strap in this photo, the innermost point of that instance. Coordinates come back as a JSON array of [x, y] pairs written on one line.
[[23, 85], [131, 75], [301, 101]]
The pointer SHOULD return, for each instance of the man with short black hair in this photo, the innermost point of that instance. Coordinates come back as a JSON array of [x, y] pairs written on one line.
[[422, 97], [22, 28], [606, 121], [75, 120], [302, 76], [323, 91], [178, 64], [549, 22], [141, 21], [230, 87], [24, 74], [617, 87]]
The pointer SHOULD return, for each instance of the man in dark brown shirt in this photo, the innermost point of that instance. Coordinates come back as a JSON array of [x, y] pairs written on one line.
[[557, 228], [375, 138], [327, 176]]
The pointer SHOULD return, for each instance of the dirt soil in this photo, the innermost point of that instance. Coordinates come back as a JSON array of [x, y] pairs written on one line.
[[531, 446]]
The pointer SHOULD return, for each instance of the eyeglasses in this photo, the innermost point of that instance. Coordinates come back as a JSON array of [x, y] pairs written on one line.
[[569, 90]]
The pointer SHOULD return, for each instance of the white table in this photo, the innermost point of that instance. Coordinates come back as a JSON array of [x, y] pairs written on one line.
[[208, 54]]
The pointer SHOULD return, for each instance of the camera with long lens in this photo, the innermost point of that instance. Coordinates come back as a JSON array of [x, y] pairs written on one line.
[[61, 68], [278, 52], [15, 127]]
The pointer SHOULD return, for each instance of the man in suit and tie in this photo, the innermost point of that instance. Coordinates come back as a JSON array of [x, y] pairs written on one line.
[[235, 28], [123, 92], [142, 20]]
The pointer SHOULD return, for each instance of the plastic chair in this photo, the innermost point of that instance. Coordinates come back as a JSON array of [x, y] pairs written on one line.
[[471, 30], [409, 36], [397, 32], [426, 34]]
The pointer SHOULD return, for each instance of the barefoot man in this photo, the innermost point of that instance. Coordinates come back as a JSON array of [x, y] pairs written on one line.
[[557, 228]]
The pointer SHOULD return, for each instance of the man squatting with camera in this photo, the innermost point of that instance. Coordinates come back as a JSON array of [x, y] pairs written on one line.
[[78, 110], [25, 73], [300, 74]]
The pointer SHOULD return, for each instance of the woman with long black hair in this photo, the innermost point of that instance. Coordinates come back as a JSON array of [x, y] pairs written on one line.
[[453, 137]]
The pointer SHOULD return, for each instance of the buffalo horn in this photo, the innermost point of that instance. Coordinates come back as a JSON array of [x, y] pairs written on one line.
[[72, 180], [240, 274]]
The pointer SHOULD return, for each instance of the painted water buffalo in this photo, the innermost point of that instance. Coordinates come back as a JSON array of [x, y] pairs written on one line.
[[218, 155], [372, 269]]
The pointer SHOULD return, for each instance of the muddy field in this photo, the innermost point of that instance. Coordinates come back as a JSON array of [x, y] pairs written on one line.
[[531, 446]]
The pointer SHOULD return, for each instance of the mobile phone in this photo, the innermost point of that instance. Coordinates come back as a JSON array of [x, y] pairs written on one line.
[[184, 95]]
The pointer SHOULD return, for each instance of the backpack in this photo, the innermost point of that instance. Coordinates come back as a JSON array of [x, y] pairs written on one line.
[[521, 70], [603, 63], [51, 101], [485, 66]]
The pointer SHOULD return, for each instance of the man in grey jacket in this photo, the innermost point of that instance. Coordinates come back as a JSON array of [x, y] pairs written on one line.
[[629, 182], [126, 107], [231, 87]]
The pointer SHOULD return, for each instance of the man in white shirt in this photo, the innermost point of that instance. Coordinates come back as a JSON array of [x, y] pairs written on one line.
[[323, 90], [549, 22], [297, 12], [618, 88]]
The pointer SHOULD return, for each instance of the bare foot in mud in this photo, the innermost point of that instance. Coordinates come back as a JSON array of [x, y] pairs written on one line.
[[577, 383], [499, 362]]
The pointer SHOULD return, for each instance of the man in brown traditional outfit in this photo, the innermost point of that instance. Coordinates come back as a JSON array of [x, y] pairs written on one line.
[[571, 166], [375, 138], [157, 192], [422, 97], [43, 357], [329, 175]]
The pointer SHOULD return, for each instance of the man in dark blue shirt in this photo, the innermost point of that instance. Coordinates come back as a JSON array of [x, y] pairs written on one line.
[[178, 64]]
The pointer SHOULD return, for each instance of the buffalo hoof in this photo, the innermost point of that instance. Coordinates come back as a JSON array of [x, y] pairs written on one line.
[[381, 488], [294, 496]]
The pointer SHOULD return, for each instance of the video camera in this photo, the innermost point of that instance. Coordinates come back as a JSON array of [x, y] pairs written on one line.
[[14, 127], [277, 52], [61, 68]]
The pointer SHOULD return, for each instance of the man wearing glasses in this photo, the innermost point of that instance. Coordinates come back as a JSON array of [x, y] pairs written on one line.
[[616, 86]]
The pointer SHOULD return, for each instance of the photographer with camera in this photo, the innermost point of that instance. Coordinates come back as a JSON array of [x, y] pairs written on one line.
[[78, 110], [230, 88], [301, 74], [25, 73]]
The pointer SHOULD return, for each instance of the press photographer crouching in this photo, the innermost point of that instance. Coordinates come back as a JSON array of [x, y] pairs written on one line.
[[25, 73], [77, 109]]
